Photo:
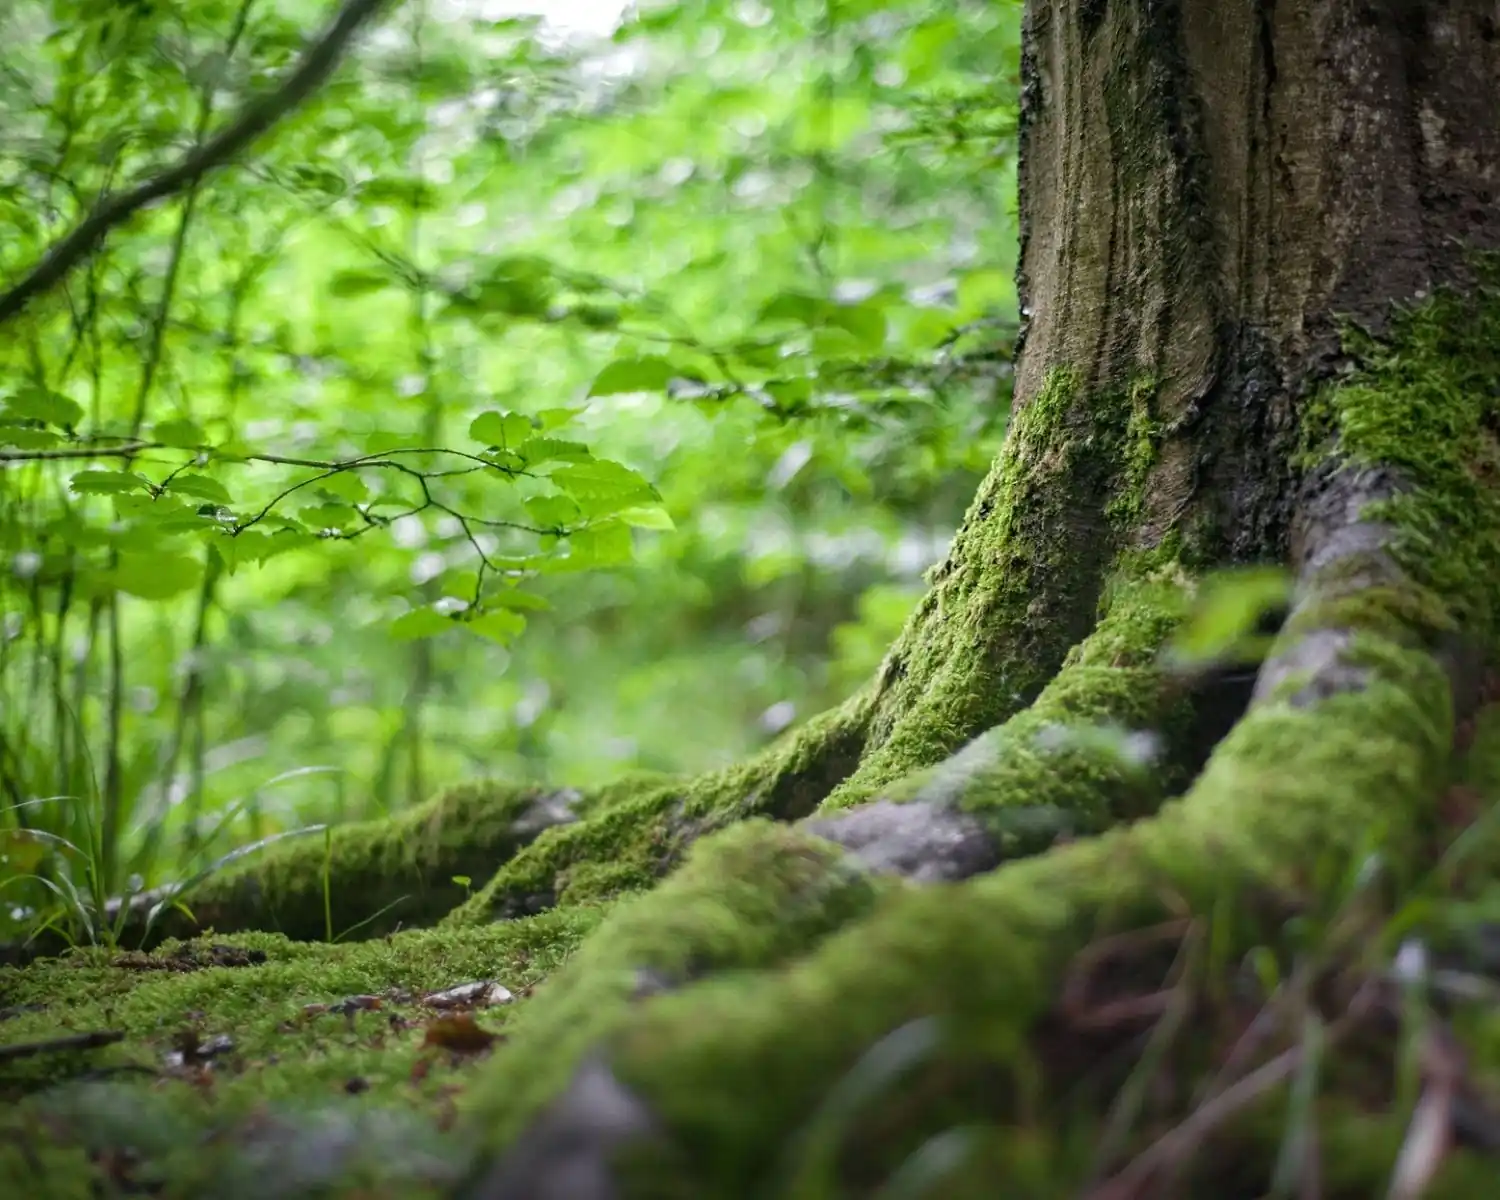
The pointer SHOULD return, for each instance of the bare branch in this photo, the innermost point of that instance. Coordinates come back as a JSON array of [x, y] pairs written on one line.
[[254, 120]]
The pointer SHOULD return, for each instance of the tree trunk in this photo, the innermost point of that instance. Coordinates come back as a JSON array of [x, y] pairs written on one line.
[[1262, 326]]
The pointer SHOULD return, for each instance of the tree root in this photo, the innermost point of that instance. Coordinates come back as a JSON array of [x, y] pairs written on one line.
[[1346, 751]]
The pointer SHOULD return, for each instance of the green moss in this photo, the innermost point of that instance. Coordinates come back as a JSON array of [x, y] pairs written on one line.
[[750, 897], [400, 870], [1022, 582], [1399, 612], [261, 1006], [290, 1052], [736, 1065], [635, 838], [1424, 404], [1139, 451], [1105, 741]]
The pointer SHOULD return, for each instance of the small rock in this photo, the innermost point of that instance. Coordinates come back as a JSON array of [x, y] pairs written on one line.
[[482, 993]]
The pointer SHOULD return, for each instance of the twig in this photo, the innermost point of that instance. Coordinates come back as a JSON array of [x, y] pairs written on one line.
[[256, 119], [73, 1041]]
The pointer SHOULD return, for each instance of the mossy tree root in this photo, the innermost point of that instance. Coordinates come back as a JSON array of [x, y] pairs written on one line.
[[1348, 748], [366, 878]]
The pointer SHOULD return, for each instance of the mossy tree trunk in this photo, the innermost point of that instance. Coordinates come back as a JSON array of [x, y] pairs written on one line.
[[1262, 326]]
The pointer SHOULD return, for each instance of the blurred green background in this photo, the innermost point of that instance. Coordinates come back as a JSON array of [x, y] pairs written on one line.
[[755, 258]]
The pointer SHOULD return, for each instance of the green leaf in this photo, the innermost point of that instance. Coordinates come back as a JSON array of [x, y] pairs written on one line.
[[27, 438], [554, 512], [22, 851], [513, 598], [183, 435], [107, 483], [502, 429], [647, 374], [201, 486], [547, 449], [34, 403], [790, 395], [345, 485], [500, 626], [793, 306], [981, 291], [1228, 609], [420, 623], [156, 576], [650, 517], [382, 440], [412, 193], [249, 546], [348, 284], [552, 418], [602, 478], [603, 545], [326, 516], [864, 322]]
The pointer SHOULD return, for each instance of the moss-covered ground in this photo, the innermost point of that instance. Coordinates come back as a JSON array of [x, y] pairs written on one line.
[[251, 1064], [1218, 976]]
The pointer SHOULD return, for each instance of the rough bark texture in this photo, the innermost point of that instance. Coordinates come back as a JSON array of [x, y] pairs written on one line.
[[1262, 325]]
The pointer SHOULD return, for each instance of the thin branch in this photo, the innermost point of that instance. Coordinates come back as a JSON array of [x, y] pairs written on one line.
[[255, 119]]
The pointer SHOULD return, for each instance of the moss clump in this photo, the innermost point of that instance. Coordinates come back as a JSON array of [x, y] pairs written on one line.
[[1425, 405], [1105, 741], [1022, 582], [749, 897], [633, 838]]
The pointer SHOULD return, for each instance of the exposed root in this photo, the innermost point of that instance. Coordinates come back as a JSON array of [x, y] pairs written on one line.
[[1348, 748]]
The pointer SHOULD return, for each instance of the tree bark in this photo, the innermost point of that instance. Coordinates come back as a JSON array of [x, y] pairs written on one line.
[[1260, 327]]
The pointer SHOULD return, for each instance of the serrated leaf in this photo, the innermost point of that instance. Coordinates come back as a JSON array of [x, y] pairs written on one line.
[[553, 512], [32, 403], [181, 434], [538, 450], [502, 429], [649, 373], [107, 483], [420, 623], [201, 486], [602, 477], [649, 517], [156, 576], [500, 626], [506, 460]]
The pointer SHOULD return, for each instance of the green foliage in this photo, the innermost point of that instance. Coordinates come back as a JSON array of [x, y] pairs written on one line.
[[513, 395]]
